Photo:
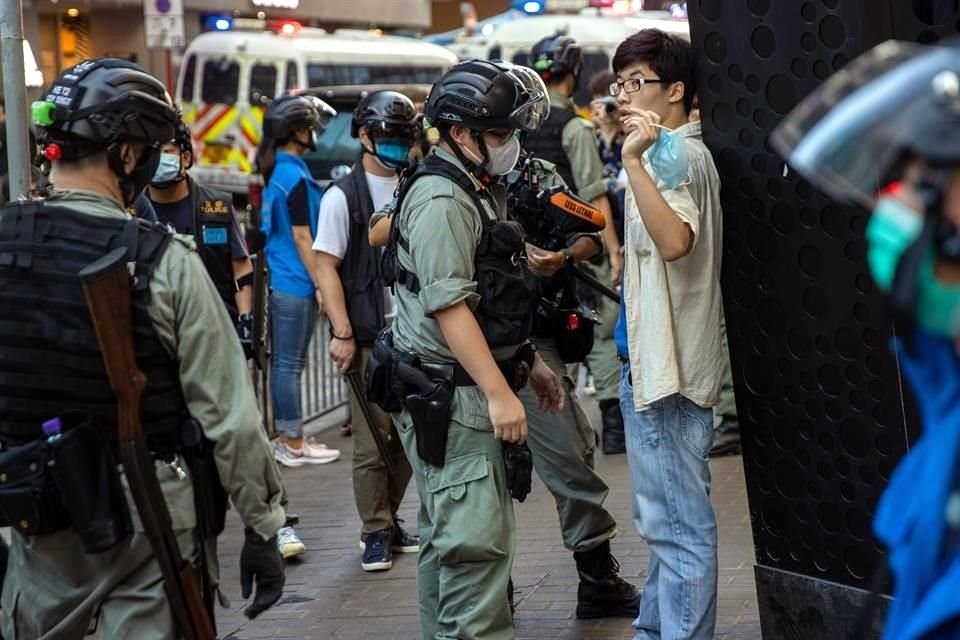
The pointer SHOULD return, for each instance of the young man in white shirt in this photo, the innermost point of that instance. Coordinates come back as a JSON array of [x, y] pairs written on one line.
[[673, 307], [358, 307]]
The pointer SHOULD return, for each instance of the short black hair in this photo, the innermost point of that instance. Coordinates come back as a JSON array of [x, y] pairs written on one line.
[[600, 83], [669, 55]]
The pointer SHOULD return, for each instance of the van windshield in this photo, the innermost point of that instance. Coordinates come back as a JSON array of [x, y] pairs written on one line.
[[220, 81], [335, 75]]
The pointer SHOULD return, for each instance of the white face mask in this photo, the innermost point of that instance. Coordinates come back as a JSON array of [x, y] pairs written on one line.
[[501, 160]]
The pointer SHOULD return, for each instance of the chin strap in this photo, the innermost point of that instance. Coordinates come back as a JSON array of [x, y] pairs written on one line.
[[476, 171]]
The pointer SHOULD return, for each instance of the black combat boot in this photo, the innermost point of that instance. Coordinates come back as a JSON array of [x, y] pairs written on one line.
[[614, 439], [602, 592]]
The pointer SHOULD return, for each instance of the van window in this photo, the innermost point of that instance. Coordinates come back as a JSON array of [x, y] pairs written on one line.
[[189, 73], [292, 81], [220, 81], [263, 84], [329, 75]]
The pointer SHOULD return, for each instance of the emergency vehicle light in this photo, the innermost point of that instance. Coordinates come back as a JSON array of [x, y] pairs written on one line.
[[218, 23], [284, 27], [529, 6]]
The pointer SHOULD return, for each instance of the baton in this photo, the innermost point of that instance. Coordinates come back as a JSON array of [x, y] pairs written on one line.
[[353, 378], [595, 284]]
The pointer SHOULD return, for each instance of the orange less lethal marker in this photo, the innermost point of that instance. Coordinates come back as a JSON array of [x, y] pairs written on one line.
[[574, 206]]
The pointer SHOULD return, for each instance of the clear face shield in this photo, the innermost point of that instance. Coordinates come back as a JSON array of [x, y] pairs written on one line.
[[849, 135], [327, 113], [534, 112]]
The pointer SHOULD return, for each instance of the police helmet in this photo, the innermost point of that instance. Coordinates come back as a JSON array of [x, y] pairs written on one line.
[[386, 114], [98, 103], [183, 139], [483, 95], [555, 56], [291, 112]]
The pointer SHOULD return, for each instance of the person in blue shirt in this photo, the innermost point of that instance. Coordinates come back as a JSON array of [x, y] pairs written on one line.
[[290, 204], [891, 120]]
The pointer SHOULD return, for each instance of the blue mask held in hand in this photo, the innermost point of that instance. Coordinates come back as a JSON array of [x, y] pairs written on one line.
[[668, 158], [392, 152], [168, 171]]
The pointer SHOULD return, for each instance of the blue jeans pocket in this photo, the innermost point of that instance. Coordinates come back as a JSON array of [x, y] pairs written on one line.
[[696, 426]]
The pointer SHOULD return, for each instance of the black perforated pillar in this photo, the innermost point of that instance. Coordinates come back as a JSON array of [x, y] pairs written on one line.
[[818, 392]]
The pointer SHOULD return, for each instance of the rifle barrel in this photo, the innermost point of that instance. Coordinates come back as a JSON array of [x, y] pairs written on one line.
[[595, 284]]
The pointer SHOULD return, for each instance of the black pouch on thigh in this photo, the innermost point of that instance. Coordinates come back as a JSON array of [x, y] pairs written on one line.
[[84, 468], [29, 500], [430, 412]]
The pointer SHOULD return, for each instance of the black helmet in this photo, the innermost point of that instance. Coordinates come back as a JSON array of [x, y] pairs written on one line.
[[291, 112], [182, 138], [98, 104], [483, 95], [386, 114], [555, 56]]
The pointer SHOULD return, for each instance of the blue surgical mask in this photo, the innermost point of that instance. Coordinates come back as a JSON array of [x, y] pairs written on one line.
[[668, 158], [891, 231], [168, 171], [392, 152]]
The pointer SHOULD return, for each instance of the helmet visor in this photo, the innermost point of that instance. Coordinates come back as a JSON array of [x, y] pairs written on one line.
[[531, 114], [848, 135]]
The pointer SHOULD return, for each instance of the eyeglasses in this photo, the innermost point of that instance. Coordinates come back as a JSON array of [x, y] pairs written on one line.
[[630, 85]]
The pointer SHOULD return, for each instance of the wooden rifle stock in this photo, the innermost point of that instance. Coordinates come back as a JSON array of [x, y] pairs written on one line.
[[106, 286]]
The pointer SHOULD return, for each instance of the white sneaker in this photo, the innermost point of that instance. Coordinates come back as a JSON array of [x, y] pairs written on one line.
[[310, 452], [289, 543], [285, 456]]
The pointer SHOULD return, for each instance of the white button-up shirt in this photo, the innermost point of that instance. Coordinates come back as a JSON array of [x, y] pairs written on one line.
[[673, 309]]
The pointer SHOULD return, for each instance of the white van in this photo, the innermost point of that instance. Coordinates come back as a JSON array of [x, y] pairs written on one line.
[[598, 36], [228, 77]]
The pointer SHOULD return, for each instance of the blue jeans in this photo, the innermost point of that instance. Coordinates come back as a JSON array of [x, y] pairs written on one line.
[[667, 448], [292, 320]]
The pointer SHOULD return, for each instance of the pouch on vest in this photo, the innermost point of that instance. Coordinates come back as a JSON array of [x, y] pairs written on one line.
[[29, 500], [508, 290], [571, 328], [85, 471]]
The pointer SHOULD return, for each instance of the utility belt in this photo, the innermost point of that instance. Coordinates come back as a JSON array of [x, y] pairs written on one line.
[[396, 380], [71, 480]]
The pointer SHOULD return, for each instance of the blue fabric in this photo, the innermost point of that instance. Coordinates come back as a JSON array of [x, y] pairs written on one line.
[[620, 333], [287, 273], [911, 514], [667, 448], [292, 320]]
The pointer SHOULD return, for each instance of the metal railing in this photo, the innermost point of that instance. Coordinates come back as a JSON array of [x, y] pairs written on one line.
[[322, 388]]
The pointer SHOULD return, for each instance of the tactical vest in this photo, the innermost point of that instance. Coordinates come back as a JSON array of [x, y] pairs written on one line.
[[213, 227], [547, 144], [509, 291], [359, 272], [51, 358]]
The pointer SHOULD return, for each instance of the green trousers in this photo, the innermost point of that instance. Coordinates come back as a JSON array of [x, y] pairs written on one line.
[[467, 536], [378, 494], [53, 589], [563, 446], [602, 359]]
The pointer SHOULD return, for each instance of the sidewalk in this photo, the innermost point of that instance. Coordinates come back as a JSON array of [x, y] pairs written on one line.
[[328, 596]]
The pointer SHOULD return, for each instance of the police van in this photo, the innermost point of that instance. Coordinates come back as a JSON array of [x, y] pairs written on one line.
[[229, 76], [598, 36]]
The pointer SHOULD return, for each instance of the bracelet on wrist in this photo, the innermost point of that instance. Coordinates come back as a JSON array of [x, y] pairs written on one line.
[[336, 337]]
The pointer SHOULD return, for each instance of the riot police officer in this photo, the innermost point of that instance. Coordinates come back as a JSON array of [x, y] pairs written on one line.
[[103, 122], [359, 307], [461, 296], [563, 445]]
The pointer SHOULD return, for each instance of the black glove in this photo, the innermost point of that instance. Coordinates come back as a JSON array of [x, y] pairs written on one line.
[[260, 559], [245, 331], [519, 463]]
